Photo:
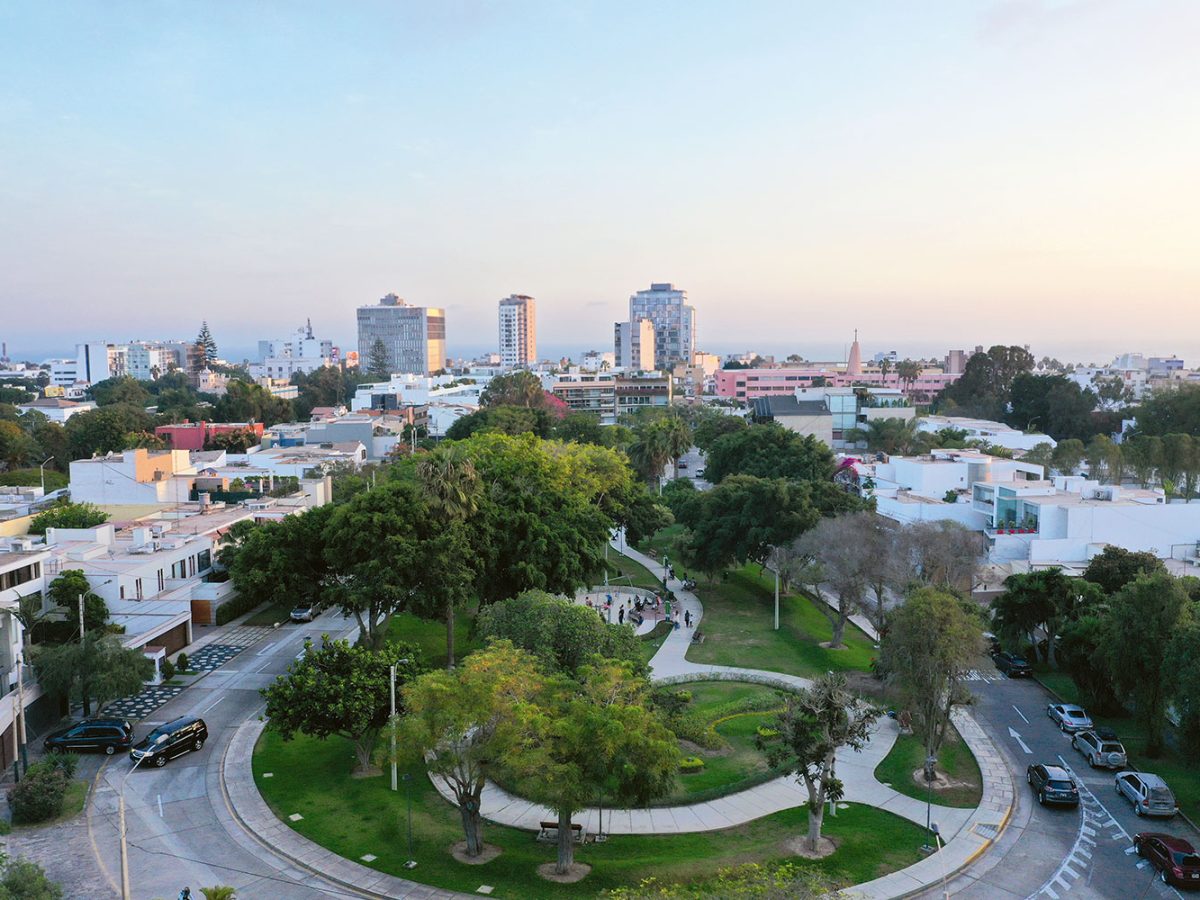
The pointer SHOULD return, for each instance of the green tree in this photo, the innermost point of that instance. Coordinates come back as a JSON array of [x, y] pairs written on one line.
[[515, 389], [247, 402], [650, 452], [23, 879], [1083, 655], [593, 737], [1068, 455], [677, 439], [206, 347], [17, 448], [1171, 411], [237, 440], [562, 635], [281, 562], [712, 423], [122, 389], [769, 451], [462, 724], [65, 591], [985, 387], [105, 430], [892, 436], [1143, 454], [816, 723], [378, 366], [68, 515], [1045, 599], [511, 420], [929, 649], [1116, 567], [1182, 665], [1143, 617], [1053, 404], [337, 689], [97, 668]]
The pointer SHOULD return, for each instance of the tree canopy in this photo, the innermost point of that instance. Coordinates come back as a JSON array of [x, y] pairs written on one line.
[[769, 451]]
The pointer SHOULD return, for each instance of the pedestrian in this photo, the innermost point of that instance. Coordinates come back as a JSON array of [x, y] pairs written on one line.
[[676, 620], [687, 618], [621, 616], [600, 613]]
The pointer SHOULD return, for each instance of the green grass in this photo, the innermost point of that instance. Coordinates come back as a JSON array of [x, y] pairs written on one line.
[[625, 571], [430, 636], [661, 541], [955, 759], [73, 802], [1182, 776], [738, 630], [653, 639], [353, 817], [269, 615]]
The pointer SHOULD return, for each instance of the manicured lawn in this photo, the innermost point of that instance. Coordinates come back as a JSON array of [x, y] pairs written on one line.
[[354, 817], [626, 571], [955, 759], [1182, 776], [430, 636], [269, 615], [738, 627], [653, 639], [661, 541]]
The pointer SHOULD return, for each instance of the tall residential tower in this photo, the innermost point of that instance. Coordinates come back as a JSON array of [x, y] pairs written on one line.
[[414, 337], [518, 331], [674, 323]]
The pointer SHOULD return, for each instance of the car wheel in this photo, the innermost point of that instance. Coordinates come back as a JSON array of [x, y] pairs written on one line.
[[109, 750], [1062, 727], [197, 744], [1162, 873], [1137, 810], [1138, 849], [1042, 798], [1028, 778], [160, 761], [1092, 761]]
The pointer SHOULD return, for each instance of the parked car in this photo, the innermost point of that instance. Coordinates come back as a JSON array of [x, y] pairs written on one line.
[[306, 612], [1176, 859], [1012, 665], [1105, 733], [170, 740], [993, 643], [1148, 793], [683, 464], [1100, 752], [108, 735], [1069, 717], [1052, 784]]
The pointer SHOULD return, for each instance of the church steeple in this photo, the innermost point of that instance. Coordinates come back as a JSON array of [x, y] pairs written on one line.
[[854, 362]]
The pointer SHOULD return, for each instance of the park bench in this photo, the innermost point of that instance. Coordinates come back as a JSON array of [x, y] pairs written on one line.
[[549, 832], [698, 637]]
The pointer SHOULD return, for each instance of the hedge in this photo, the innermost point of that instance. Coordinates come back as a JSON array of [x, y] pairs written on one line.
[[237, 605]]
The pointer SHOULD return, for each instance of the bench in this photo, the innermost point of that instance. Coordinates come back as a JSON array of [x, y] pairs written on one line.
[[698, 637], [549, 832]]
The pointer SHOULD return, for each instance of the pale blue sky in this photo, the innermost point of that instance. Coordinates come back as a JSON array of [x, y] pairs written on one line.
[[935, 173]]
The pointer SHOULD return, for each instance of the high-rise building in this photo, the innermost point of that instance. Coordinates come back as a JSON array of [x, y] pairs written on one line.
[[674, 323], [633, 345], [518, 331], [414, 337]]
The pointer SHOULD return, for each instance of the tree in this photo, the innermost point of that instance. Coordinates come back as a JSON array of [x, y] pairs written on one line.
[[1041, 454], [1143, 454], [1068, 455], [17, 448], [206, 347], [1143, 617], [503, 420], [930, 648], [593, 737], [814, 725], [97, 668], [769, 451], [105, 430], [237, 440], [68, 515], [515, 389], [1116, 567], [122, 389], [942, 554], [985, 387], [678, 440], [244, 401], [1182, 664], [562, 635], [1171, 411], [283, 561], [1083, 654], [1053, 404], [24, 879], [650, 452], [893, 436], [712, 423], [1104, 459], [462, 724], [65, 591], [1045, 599], [836, 558], [337, 689]]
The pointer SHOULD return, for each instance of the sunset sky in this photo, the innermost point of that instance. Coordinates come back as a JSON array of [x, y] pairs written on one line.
[[935, 174]]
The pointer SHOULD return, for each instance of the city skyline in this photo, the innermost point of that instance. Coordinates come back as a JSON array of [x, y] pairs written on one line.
[[944, 175]]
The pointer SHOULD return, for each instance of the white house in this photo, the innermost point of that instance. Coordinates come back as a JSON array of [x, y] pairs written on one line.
[[986, 430], [133, 477], [56, 409]]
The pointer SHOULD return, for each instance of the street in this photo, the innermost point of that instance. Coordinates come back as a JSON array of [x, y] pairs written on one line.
[[1050, 852]]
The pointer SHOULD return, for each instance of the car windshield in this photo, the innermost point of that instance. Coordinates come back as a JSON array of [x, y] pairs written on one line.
[[1160, 793], [1059, 785], [1186, 860], [1074, 712], [1019, 660]]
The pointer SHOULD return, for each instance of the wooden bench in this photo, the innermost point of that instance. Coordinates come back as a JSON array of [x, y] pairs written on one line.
[[698, 637], [549, 832]]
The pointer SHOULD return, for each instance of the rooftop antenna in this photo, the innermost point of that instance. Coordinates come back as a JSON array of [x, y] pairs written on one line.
[[310, 334]]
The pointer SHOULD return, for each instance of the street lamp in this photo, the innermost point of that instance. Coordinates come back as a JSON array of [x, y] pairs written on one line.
[[392, 722], [42, 472], [411, 863], [930, 828], [125, 893]]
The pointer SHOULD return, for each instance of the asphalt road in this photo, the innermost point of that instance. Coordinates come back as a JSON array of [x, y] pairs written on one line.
[[181, 832], [1051, 852]]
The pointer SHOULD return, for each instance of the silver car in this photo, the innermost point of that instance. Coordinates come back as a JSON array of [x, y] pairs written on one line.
[[1148, 794], [1099, 752], [1069, 717]]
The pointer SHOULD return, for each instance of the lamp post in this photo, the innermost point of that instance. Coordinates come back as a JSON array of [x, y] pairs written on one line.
[[42, 472], [392, 723], [411, 863], [930, 762]]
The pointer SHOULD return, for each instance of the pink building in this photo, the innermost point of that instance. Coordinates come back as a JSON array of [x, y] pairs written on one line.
[[194, 435], [749, 384]]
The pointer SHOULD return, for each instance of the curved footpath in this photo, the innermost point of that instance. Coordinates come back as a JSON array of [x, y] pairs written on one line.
[[968, 833]]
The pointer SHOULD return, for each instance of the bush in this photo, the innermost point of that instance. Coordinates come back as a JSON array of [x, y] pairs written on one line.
[[39, 795], [25, 879], [68, 515], [690, 764], [237, 605], [766, 732], [181, 662], [33, 478], [66, 763], [168, 669]]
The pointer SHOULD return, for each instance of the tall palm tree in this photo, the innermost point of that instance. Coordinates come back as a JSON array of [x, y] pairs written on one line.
[[678, 439], [649, 453], [451, 486]]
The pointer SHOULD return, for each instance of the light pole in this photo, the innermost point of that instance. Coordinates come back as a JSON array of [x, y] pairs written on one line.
[[392, 723], [930, 762], [125, 893], [411, 863], [42, 472]]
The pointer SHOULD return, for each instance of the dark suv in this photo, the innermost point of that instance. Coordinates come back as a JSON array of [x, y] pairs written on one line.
[[1052, 784], [170, 740], [109, 735], [1012, 665]]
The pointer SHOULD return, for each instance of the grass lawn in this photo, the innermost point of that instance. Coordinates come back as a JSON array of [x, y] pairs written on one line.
[[430, 636], [73, 801], [955, 759], [625, 571], [269, 615], [1182, 776], [660, 542], [738, 628], [354, 817], [653, 639]]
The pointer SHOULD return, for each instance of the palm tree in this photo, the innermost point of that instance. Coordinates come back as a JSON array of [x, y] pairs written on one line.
[[678, 439], [908, 371], [451, 486], [650, 453]]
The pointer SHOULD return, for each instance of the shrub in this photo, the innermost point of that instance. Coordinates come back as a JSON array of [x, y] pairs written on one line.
[[25, 879], [168, 669], [766, 732], [39, 795], [181, 662], [235, 606], [690, 764], [68, 515], [691, 727], [66, 763]]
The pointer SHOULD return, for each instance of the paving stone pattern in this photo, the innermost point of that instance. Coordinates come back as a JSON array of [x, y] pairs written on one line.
[[141, 705], [213, 657]]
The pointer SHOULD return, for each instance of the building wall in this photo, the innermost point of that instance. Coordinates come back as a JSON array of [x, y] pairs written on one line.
[[413, 336], [820, 427], [674, 323], [518, 331]]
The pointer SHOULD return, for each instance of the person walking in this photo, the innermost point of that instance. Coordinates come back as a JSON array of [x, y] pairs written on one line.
[[687, 618], [621, 616]]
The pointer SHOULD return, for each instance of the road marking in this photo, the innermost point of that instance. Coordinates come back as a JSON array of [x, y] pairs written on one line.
[[1049, 892], [1013, 734], [1021, 714], [160, 811], [1142, 864], [262, 665], [1129, 850], [211, 705], [267, 649]]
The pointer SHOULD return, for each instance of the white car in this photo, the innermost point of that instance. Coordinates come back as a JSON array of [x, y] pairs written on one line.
[[1069, 717], [1100, 752]]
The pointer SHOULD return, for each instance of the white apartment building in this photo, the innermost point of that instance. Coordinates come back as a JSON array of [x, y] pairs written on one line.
[[608, 395], [633, 345], [134, 477], [21, 575], [597, 361], [996, 433], [413, 337], [284, 357], [64, 373], [143, 360], [518, 331], [56, 409], [674, 322]]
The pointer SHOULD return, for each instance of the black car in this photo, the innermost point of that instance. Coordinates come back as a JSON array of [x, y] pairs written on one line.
[[109, 735], [1052, 784], [1012, 665], [170, 740]]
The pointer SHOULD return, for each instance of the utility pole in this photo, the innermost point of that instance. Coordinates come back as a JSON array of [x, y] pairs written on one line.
[[392, 723], [20, 729], [777, 595], [81, 618]]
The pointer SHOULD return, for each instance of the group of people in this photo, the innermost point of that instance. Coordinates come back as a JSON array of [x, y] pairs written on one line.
[[636, 610]]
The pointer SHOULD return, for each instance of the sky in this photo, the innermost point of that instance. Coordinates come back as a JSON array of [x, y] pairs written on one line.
[[936, 174]]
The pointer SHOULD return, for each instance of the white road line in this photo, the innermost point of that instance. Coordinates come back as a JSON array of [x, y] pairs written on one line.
[[267, 649], [211, 705], [262, 665], [1021, 714], [160, 811], [1049, 892], [1130, 850]]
